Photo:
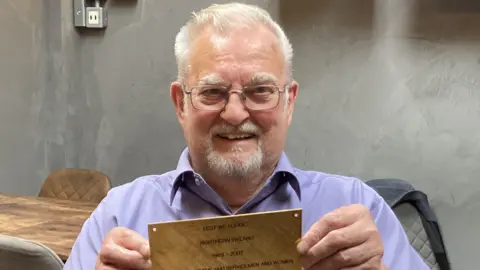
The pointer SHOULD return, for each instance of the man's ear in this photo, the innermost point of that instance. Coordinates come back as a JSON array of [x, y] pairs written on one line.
[[292, 96], [177, 96]]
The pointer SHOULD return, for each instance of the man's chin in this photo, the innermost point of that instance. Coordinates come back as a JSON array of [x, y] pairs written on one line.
[[235, 157], [235, 163]]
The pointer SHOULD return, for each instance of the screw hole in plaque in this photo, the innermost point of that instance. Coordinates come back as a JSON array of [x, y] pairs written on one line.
[[295, 215], [154, 229]]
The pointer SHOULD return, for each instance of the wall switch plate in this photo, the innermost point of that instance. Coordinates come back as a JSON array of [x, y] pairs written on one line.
[[79, 18], [96, 17]]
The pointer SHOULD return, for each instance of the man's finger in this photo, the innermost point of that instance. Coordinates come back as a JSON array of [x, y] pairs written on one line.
[[115, 255], [335, 241], [351, 258], [129, 239], [109, 267], [334, 220]]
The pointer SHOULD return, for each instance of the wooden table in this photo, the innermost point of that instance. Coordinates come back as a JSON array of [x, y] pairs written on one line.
[[52, 222]]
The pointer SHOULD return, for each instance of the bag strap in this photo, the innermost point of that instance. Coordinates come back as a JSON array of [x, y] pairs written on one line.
[[419, 200]]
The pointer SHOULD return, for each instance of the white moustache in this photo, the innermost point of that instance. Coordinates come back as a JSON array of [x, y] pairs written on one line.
[[247, 128]]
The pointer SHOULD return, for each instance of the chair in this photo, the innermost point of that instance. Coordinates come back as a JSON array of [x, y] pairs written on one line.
[[20, 254], [412, 208], [76, 184]]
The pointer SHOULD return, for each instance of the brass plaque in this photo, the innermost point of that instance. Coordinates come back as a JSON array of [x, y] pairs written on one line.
[[264, 240]]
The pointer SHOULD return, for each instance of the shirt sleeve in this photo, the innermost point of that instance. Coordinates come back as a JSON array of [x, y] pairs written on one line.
[[398, 252], [88, 243]]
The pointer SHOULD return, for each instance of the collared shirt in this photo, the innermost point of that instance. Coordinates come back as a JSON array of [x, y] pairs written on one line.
[[182, 194]]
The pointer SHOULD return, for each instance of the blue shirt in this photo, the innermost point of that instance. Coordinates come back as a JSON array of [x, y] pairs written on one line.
[[182, 194]]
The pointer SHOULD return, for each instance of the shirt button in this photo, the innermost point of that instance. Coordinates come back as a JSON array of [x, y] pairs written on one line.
[[197, 181]]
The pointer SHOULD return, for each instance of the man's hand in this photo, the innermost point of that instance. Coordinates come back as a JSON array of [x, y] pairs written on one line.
[[346, 238], [124, 249]]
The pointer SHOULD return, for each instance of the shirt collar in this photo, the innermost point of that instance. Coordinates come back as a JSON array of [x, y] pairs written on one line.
[[184, 171]]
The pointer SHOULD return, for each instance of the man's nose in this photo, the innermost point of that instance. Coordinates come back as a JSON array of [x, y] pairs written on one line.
[[234, 112]]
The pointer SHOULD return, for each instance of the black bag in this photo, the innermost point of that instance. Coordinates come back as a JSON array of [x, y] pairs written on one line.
[[418, 219]]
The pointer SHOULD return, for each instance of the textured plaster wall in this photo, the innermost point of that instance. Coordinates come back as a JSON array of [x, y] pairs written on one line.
[[21, 59], [389, 88], [392, 89]]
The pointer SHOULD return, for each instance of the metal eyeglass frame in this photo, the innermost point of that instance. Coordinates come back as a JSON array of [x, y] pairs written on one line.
[[240, 92]]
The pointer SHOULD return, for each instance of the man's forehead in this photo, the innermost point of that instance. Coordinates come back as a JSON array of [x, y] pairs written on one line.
[[251, 56]]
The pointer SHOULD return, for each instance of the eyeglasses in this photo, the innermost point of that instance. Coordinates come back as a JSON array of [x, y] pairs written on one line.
[[255, 98]]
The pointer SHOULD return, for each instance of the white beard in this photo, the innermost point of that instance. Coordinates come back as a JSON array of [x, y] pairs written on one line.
[[235, 167], [239, 166]]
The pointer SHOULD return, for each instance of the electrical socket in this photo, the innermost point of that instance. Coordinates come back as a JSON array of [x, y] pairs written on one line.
[[96, 17], [93, 17]]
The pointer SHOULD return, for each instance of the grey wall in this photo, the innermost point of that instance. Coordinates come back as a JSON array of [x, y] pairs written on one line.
[[21, 63], [388, 89], [392, 89]]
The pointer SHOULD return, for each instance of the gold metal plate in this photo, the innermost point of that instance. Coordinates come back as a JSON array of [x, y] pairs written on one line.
[[264, 241]]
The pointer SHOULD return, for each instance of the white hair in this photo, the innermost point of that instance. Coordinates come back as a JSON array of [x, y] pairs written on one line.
[[221, 18]]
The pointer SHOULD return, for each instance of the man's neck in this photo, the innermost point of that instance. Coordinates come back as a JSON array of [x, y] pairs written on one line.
[[236, 192]]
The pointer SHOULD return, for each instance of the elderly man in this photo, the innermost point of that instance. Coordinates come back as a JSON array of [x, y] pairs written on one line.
[[234, 99]]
